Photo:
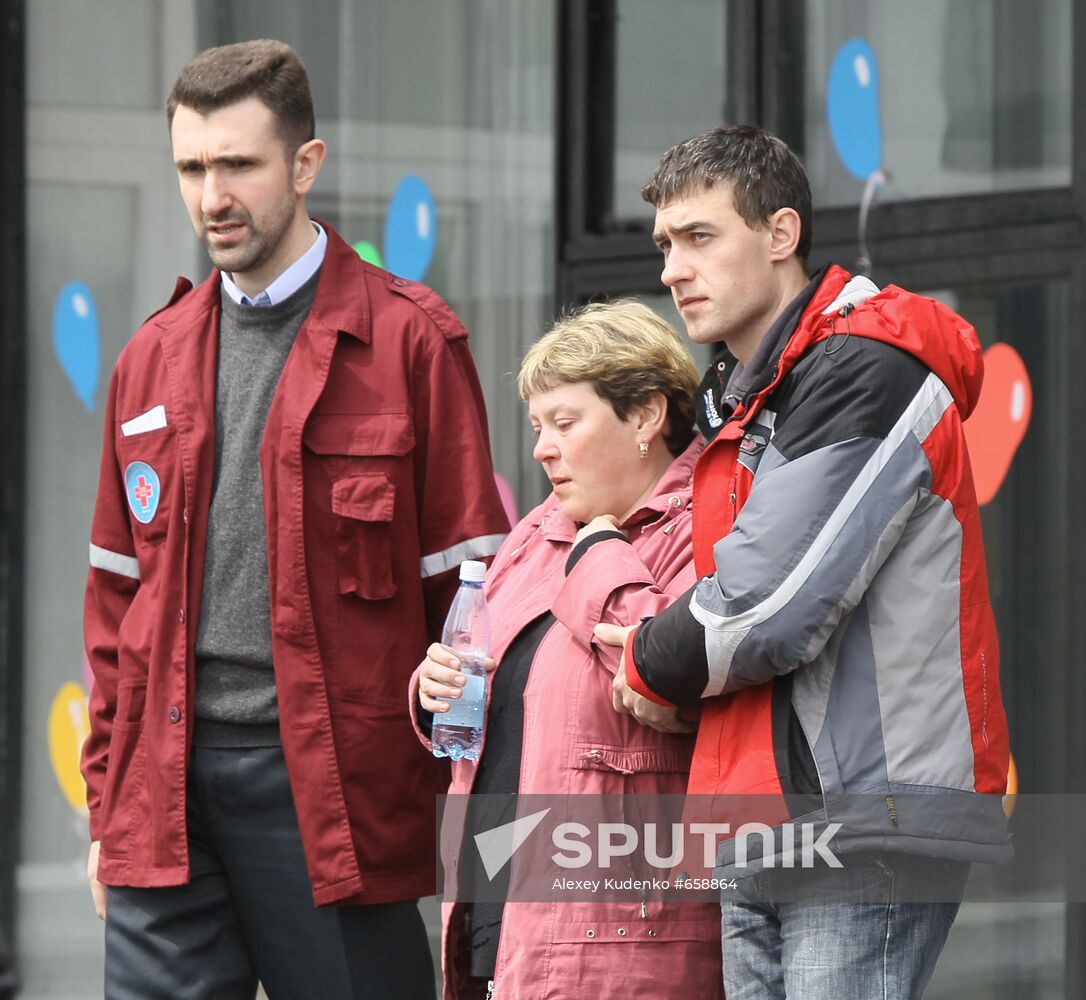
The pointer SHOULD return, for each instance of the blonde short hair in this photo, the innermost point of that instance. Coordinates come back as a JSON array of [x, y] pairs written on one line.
[[627, 352]]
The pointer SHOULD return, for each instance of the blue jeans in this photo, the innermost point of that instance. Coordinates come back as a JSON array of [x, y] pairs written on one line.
[[854, 933]]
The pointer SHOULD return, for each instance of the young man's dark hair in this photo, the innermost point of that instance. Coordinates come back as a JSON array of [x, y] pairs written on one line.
[[764, 175], [266, 69]]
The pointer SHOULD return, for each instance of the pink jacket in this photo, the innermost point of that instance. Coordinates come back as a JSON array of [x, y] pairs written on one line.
[[575, 743]]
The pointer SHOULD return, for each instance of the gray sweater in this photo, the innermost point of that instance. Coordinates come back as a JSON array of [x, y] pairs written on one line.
[[235, 684]]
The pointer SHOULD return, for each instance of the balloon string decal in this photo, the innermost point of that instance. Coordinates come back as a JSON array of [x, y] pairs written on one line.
[[867, 201]]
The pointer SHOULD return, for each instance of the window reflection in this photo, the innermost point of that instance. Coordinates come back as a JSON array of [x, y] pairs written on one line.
[[669, 85], [969, 96]]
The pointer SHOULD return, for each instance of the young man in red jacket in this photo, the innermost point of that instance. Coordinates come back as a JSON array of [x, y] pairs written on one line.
[[841, 639], [274, 544]]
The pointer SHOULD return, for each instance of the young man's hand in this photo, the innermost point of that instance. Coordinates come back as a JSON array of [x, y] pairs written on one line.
[[627, 701]]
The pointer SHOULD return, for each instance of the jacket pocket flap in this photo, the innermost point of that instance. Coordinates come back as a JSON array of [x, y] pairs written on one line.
[[385, 433], [367, 497], [631, 760]]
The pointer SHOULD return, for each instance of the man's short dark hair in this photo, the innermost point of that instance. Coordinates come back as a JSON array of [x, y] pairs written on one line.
[[763, 173], [266, 69]]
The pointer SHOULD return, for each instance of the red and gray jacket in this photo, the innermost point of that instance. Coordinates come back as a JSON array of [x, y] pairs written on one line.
[[374, 442], [841, 635]]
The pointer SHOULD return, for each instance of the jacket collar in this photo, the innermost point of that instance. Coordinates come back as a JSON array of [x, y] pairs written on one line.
[[747, 380], [785, 341], [342, 301], [718, 397]]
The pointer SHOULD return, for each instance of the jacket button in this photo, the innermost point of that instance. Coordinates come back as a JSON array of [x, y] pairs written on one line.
[[621, 932], [181, 616], [399, 281], [185, 515], [590, 933], [174, 714]]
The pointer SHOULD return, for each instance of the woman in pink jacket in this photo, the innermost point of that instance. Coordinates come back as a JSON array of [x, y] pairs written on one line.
[[609, 394]]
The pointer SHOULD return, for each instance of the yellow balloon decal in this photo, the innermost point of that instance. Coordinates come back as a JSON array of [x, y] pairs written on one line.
[[69, 726]]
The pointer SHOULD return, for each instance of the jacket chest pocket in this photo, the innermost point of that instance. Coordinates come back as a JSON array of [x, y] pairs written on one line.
[[361, 454], [364, 506], [148, 468]]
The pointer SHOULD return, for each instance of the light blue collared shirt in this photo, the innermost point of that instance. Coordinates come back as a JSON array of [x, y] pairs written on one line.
[[289, 281]]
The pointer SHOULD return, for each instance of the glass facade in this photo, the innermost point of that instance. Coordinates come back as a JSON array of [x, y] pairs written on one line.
[[656, 43], [949, 97], [1016, 949]]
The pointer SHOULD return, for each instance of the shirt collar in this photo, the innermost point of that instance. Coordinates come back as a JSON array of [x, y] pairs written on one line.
[[284, 286]]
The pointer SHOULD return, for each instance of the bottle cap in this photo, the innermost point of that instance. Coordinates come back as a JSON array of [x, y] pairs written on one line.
[[472, 571]]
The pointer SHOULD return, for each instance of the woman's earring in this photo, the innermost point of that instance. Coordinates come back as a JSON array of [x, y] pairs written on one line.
[[643, 449]]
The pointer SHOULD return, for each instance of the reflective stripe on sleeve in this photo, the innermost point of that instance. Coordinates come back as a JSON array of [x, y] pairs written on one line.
[[473, 548], [114, 562]]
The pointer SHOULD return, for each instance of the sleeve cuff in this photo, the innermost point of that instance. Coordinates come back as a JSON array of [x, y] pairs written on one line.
[[633, 675]]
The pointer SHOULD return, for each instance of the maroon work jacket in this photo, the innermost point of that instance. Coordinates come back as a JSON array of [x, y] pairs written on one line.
[[377, 482]]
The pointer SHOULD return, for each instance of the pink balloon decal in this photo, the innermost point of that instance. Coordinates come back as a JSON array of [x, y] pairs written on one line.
[[509, 502]]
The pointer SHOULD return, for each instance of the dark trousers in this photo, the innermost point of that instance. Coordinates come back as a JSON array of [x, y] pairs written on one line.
[[247, 914]]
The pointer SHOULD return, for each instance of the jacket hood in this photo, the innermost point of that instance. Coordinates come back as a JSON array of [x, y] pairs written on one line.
[[930, 331]]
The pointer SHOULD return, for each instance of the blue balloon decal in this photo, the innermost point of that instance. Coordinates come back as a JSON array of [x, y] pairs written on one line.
[[76, 340], [852, 99], [410, 229]]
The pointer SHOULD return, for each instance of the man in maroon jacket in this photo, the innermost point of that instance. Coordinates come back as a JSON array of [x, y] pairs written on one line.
[[273, 547]]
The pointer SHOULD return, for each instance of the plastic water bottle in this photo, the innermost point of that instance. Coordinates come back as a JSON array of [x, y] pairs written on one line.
[[458, 733]]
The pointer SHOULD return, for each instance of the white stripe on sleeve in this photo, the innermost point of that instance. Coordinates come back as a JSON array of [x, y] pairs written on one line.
[[115, 562], [473, 548]]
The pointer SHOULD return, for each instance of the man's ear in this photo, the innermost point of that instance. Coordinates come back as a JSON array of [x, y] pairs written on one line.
[[785, 230], [307, 164]]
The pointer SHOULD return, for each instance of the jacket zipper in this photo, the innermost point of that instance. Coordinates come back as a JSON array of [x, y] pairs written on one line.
[[597, 757], [891, 809], [984, 716]]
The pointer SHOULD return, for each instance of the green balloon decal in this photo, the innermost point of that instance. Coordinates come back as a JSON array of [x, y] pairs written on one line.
[[368, 252]]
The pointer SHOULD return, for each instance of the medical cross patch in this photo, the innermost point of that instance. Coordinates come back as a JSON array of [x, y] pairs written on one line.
[[142, 489]]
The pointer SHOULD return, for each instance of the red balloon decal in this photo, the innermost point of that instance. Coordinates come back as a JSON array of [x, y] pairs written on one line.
[[996, 427]]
